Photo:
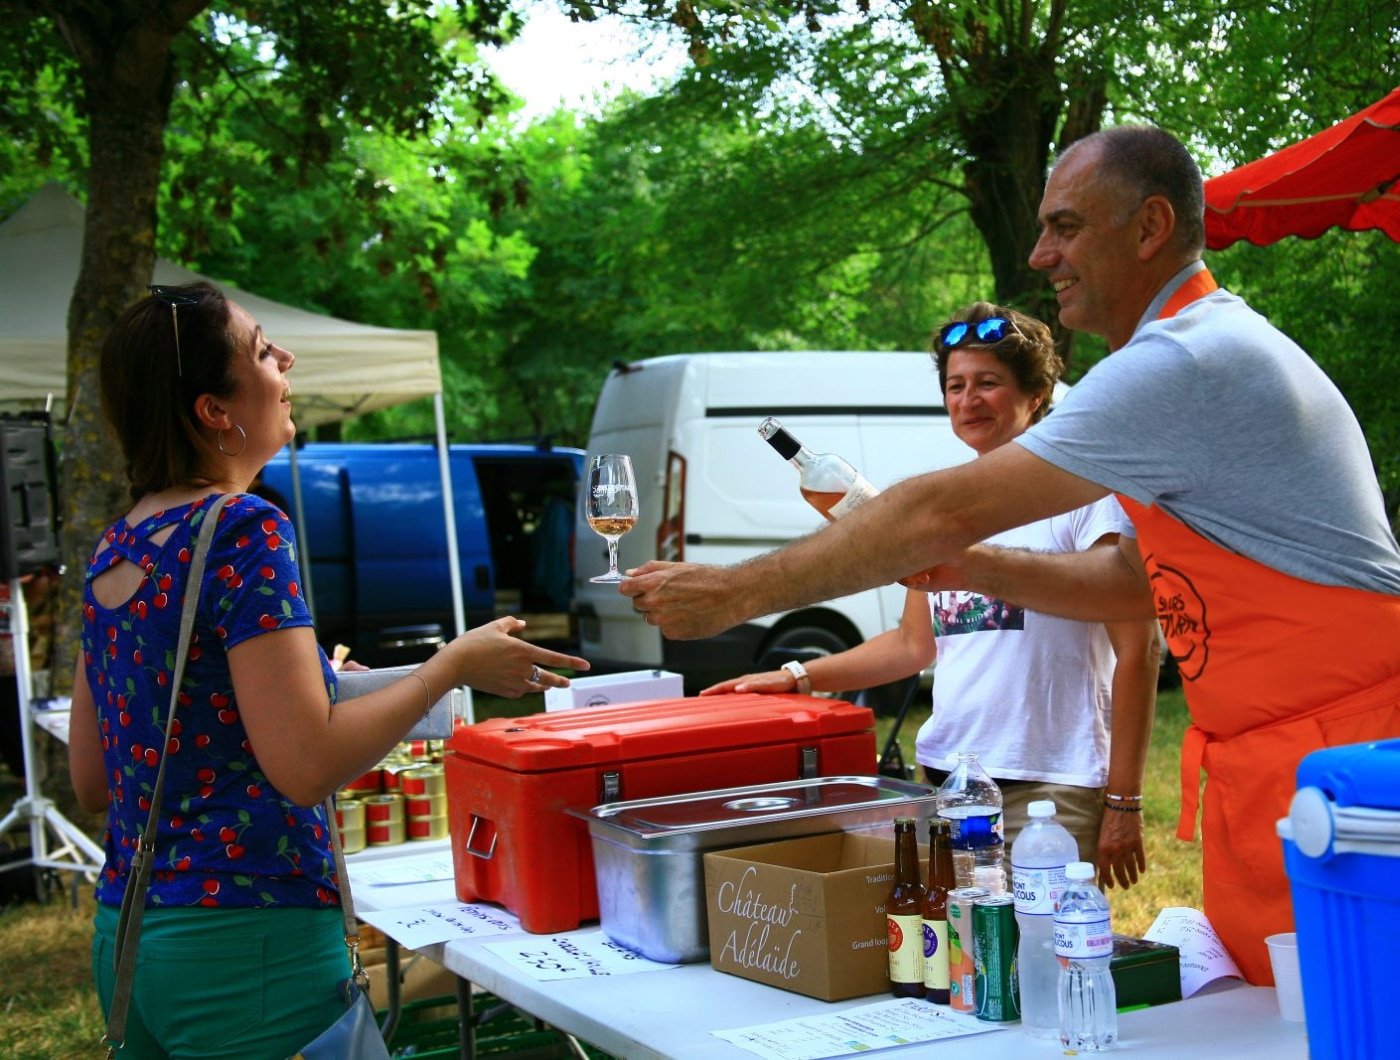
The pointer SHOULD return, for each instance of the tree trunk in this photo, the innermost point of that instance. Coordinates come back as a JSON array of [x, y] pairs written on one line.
[[127, 80]]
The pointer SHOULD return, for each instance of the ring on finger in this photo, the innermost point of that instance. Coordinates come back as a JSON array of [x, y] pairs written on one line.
[[534, 675]]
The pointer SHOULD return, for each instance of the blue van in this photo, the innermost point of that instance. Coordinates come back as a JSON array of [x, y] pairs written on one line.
[[377, 542]]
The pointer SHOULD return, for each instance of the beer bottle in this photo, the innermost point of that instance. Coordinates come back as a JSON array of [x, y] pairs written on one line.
[[904, 911], [940, 881]]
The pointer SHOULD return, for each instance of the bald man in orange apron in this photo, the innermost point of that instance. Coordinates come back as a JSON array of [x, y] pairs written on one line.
[[1263, 546], [1271, 567]]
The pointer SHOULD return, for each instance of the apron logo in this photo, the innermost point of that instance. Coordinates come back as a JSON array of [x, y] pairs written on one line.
[[1182, 615]]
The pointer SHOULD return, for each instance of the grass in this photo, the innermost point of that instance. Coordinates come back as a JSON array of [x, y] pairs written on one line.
[[48, 1008]]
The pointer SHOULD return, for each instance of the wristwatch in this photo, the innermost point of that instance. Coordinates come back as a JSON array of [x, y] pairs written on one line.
[[800, 675]]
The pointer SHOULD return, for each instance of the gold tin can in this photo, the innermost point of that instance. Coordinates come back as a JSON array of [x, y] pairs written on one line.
[[353, 840], [424, 828], [385, 833], [371, 783], [349, 813], [425, 805], [384, 809], [424, 780]]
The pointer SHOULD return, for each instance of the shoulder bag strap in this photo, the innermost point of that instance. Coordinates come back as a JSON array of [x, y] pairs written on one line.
[[347, 901], [139, 875]]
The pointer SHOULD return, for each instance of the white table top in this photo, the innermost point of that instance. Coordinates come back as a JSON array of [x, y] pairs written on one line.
[[671, 1013]]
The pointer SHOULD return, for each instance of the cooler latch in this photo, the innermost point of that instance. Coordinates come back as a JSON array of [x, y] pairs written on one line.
[[810, 762], [612, 787]]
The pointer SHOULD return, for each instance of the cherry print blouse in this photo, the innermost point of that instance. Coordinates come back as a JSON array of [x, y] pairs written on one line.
[[227, 837]]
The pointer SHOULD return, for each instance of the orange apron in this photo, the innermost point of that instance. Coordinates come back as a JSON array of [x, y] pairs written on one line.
[[1273, 667]]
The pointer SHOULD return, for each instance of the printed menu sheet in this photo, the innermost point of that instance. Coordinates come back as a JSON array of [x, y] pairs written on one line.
[[882, 1025], [1204, 958]]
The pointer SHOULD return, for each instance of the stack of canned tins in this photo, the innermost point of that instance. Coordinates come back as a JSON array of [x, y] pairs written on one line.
[[404, 798]]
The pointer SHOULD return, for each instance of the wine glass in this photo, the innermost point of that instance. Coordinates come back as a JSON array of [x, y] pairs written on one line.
[[611, 504]]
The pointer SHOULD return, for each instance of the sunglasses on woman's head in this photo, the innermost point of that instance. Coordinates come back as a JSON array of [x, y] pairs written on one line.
[[174, 297], [961, 332]]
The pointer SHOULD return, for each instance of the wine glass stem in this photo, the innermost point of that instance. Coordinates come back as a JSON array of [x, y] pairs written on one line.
[[612, 555]]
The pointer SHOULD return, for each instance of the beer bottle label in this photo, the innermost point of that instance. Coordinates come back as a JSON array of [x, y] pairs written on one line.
[[906, 948], [936, 954]]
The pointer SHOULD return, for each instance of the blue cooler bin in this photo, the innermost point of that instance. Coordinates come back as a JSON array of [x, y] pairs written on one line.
[[1341, 847]]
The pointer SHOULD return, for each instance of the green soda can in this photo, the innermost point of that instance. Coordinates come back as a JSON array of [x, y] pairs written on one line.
[[995, 937]]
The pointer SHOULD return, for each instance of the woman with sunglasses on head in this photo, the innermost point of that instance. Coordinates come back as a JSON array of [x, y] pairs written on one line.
[[1056, 709], [242, 944]]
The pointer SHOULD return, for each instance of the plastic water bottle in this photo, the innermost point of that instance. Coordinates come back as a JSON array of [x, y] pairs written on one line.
[[1084, 946], [1038, 859], [971, 801]]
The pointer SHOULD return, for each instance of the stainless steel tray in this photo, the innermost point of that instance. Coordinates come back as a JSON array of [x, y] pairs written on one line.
[[648, 853]]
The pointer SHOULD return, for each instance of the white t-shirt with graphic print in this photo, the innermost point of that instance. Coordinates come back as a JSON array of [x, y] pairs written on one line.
[[1029, 692]]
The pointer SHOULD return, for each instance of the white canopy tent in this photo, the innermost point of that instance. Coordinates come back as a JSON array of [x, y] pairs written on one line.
[[343, 369]]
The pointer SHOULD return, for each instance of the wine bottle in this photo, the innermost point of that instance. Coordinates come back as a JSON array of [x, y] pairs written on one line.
[[828, 483]]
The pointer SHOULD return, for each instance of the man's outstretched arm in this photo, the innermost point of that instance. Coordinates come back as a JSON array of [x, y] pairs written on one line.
[[913, 526]]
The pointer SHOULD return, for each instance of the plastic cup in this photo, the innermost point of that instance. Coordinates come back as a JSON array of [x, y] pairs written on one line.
[[1283, 955]]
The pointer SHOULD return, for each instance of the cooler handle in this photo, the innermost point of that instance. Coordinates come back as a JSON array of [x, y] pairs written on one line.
[[471, 834], [1320, 828]]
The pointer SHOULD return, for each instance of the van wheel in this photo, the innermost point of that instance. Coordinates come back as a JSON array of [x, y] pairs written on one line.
[[803, 643]]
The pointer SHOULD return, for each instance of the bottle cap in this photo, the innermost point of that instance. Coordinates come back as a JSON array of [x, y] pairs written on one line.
[[1079, 870], [773, 433], [1041, 808]]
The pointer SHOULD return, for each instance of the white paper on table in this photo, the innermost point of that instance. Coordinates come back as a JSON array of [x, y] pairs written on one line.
[[415, 926], [881, 1025], [1204, 958], [394, 871], [545, 957]]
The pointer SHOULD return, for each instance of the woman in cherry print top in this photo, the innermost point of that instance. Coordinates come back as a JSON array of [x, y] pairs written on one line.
[[199, 399]]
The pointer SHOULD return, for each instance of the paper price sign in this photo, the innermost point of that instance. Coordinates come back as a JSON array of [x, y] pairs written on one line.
[[572, 957], [415, 926]]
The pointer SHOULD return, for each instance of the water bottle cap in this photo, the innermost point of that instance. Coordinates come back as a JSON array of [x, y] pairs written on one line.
[[1079, 870], [1041, 808]]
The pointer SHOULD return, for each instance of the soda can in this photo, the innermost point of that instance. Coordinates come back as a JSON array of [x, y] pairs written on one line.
[[995, 937], [962, 995]]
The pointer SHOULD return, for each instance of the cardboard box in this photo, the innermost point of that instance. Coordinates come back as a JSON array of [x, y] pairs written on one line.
[[807, 915], [635, 686]]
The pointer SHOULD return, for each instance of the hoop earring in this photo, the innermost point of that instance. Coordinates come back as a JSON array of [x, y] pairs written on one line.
[[219, 441]]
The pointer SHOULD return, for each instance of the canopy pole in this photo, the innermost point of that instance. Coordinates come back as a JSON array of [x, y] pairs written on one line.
[[454, 559]]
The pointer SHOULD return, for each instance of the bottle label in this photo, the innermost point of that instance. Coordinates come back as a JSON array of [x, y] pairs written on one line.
[[906, 948], [1037, 890], [859, 492], [936, 954], [974, 830], [1081, 940]]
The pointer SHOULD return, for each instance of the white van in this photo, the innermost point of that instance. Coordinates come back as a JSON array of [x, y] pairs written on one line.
[[712, 491]]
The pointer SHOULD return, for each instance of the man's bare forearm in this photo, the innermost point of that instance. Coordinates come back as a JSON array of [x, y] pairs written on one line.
[[1096, 585]]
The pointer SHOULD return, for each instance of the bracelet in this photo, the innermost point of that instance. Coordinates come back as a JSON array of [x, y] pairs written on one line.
[[1122, 809], [1121, 798], [799, 676], [428, 692]]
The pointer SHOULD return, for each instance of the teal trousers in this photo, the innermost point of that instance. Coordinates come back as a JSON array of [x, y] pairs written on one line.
[[226, 984]]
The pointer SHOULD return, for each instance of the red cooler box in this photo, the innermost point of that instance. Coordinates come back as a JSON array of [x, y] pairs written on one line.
[[510, 781]]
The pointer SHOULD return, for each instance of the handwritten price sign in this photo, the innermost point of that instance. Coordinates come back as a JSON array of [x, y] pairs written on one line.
[[546, 957], [415, 926]]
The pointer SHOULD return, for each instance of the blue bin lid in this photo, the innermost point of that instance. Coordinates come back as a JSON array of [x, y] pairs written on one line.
[[1359, 774]]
